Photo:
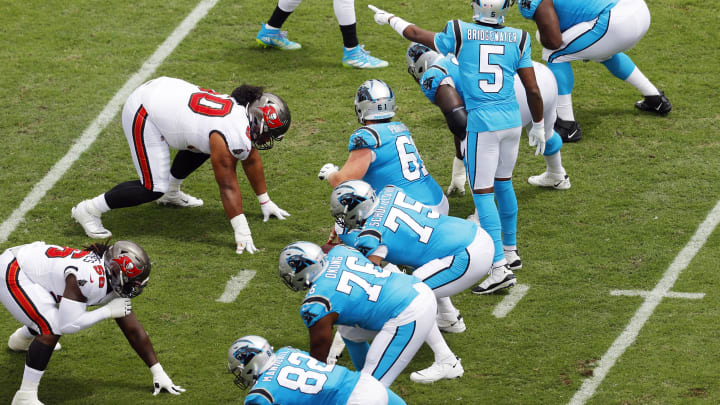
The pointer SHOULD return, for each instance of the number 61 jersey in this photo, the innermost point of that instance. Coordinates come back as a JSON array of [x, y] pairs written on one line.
[[296, 378]]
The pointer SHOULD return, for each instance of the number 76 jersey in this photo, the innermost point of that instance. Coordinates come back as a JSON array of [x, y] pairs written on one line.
[[296, 378]]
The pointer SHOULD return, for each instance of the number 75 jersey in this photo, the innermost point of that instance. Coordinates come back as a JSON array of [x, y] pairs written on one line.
[[296, 378], [361, 293]]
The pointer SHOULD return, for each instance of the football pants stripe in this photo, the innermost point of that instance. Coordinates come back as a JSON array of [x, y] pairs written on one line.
[[21, 298], [138, 129]]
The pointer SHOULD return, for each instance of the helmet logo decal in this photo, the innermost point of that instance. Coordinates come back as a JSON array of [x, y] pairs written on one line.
[[127, 267], [271, 116], [350, 200], [299, 263]]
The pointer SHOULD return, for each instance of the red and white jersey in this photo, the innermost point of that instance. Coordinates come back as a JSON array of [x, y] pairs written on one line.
[[186, 114], [49, 265]]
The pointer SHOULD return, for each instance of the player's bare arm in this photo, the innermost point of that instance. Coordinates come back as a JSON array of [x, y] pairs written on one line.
[[417, 34], [355, 167], [253, 168], [138, 338], [453, 108], [225, 167], [534, 98], [548, 25], [321, 336]]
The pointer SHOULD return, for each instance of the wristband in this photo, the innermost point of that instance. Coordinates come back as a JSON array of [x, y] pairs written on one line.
[[240, 224], [540, 124], [157, 370], [399, 25], [263, 198]]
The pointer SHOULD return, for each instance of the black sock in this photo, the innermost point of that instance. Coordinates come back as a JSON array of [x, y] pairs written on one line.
[[349, 34], [278, 17]]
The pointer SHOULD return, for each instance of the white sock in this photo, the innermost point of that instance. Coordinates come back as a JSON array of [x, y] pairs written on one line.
[[554, 164], [638, 79], [445, 306], [174, 184], [565, 108], [31, 379], [438, 345], [509, 247], [270, 27], [99, 204]]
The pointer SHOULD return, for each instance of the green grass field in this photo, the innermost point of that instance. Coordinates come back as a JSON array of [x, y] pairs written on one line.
[[641, 186]]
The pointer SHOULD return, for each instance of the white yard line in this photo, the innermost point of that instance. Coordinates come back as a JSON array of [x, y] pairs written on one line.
[[652, 300], [235, 285], [643, 293], [514, 296], [103, 119]]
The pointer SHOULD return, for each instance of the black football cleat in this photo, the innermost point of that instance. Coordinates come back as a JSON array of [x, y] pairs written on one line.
[[569, 131], [655, 104]]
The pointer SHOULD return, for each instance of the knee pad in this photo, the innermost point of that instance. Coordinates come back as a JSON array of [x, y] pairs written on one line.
[[553, 145]]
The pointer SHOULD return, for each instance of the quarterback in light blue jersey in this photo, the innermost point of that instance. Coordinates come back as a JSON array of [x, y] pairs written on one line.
[[292, 376], [366, 302], [489, 55], [597, 30]]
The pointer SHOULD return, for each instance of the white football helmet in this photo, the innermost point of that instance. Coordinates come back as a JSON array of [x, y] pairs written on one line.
[[127, 267], [300, 264], [269, 120], [352, 202], [374, 100], [248, 357], [491, 11], [419, 58]]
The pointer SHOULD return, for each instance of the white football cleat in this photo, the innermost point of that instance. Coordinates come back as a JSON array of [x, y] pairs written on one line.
[[513, 259], [89, 218], [500, 277], [18, 342], [547, 179], [26, 398], [451, 323], [438, 371], [179, 199]]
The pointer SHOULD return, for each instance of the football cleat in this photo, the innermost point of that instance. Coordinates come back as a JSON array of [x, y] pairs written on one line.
[[569, 131], [179, 199], [359, 58], [274, 38], [547, 179], [500, 277], [513, 259], [89, 218], [26, 398], [655, 104], [451, 323], [438, 371], [18, 342]]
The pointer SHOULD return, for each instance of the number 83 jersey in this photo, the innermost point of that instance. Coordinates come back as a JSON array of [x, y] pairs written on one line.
[[296, 378], [396, 161], [362, 294]]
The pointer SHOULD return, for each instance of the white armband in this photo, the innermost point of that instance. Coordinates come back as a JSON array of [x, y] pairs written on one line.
[[73, 317], [399, 25]]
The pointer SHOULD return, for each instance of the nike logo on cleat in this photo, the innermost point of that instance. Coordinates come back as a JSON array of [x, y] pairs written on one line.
[[658, 107]]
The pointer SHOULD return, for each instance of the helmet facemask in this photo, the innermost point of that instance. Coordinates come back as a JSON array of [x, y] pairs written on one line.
[[248, 357], [269, 119]]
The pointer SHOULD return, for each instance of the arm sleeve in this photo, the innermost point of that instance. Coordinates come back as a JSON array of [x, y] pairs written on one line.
[[73, 317]]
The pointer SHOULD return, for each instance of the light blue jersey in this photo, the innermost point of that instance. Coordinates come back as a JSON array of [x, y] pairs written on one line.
[[296, 378], [446, 66], [361, 293], [396, 161], [414, 234], [489, 57], [569, 12]]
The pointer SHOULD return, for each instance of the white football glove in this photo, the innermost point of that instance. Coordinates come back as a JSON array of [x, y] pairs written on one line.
[[537, 137], [336, 349], [161, 381], [119, 307], [243, 237], [458, 177], [327, 170], [382, 17], [269, 208]]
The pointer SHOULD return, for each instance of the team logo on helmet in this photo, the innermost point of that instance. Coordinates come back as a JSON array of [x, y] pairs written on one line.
[[351, 200], [271, 117], [127, 267]]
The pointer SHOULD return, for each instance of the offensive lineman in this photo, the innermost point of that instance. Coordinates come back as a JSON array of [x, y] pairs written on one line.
[[200, 124], [37, 277]]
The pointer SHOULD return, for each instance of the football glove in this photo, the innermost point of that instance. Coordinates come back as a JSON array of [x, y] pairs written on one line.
[[458, 177], [161, 381], [243, 237], [119, 307], [537, 136], [327, 170], [269, 208], [382, 17]]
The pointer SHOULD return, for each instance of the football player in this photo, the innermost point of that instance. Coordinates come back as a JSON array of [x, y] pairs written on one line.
[[489, 55], [447, 253], [366, 302], [354, 54], [439, 77], [292, 376], [48, 289], [199, 123], [597, 30]]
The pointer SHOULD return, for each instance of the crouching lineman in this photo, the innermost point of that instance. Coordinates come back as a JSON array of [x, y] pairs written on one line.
[[199, 124], [292, 376], [37, 276], [394, 310]]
